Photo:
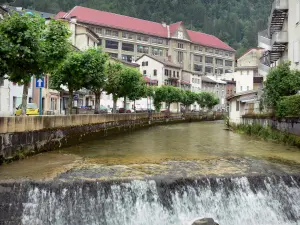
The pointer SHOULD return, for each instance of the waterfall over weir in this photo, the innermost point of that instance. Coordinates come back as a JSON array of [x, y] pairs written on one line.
[[252, 200]]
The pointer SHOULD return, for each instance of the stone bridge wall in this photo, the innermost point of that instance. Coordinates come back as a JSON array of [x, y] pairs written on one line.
[[25, 135]]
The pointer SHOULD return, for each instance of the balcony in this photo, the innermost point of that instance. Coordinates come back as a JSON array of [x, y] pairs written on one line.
[[264, 41], [279, 13], [279, 39]]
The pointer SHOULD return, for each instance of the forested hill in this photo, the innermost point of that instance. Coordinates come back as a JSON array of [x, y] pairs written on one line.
[[234, 21]]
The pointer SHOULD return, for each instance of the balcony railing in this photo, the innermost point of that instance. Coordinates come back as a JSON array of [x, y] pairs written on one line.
[[280, 5], [280, 37], [263, 69], [263, 40]]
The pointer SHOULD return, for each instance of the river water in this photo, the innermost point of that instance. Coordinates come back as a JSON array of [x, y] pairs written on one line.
[[165, 175]]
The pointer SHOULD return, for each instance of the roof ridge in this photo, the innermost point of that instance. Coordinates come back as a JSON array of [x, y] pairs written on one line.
[[119, 15]]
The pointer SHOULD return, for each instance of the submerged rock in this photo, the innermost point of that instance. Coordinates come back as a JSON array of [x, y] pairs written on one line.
[[205, 221]]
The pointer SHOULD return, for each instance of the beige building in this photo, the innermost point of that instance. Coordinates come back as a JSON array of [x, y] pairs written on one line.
[[281, 40], [247, 74], [129, 38]]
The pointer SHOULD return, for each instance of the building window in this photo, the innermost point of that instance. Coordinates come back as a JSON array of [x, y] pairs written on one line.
[[97, 30], [228, 63], [111, 44], [143, 38], [155, 72], [1, 81], [180, 57], [112, 33], [198, 48], [166, 72], [209, 60], [127, 58], [237, 106], [114, 55], [220, 71], [145, 72], [127, 47], [208, 70], [157, 51], [197, 68], [180, 45], [174, 74], [219, 62], [177, 74], [197, 58], [157, 40], [53, 103], [241, 88], [127, 35], [210, 50], [226, 53], [143, 49]]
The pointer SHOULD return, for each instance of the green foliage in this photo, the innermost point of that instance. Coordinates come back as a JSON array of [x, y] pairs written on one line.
[[235, 22], [267, 133], [167, 94], [188, 98], [281, 81], [29, 47], [207, 100], [288, 106]]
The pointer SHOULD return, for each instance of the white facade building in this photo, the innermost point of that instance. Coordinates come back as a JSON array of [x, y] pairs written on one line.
[[4, 97]]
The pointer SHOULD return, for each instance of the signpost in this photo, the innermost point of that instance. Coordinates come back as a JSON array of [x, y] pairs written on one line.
[[40, 83]]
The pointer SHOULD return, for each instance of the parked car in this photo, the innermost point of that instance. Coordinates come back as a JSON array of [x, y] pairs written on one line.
[[31, 110], [122, 110], [103, 109]]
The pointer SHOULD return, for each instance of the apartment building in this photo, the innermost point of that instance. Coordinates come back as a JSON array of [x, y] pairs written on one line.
[[130, 38], [281, 40], [247, 74]]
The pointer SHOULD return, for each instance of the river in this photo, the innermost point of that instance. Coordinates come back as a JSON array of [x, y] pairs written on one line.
[[161, 175]]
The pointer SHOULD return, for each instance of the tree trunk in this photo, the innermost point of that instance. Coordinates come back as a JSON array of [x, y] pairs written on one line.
[[97, 102], [178, 106], [115, 99], [134, 106], [125, 103], [24, 98], [70, 102]]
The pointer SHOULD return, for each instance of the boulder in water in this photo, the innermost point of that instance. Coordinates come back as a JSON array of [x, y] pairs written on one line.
[[205, 221]]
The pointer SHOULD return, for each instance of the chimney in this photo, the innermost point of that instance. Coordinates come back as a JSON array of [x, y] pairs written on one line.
[[164, 24], [74, 19]]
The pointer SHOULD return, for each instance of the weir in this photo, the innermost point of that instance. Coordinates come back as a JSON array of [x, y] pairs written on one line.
[[255, 200]]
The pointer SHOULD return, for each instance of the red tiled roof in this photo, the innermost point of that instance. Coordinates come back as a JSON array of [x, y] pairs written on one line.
[[208, 40], [92, 16], [174, 27], [59, 15], [249, 50]]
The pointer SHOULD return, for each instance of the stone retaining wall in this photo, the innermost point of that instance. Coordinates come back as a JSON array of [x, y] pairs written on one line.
[[22, 136]]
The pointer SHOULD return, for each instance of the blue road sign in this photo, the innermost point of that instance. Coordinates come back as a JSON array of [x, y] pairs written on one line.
[[39, 82]]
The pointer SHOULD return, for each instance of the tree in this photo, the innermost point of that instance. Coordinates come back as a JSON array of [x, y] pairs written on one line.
[[71, 73], [207, 100], [28, 47], [131, 83], [167, 94], [95, 73], [188, 98], [281, 81], [113, 72], [139, 91]]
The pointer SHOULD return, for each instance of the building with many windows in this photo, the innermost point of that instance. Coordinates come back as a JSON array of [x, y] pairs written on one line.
[[281, 40], [129, 38]]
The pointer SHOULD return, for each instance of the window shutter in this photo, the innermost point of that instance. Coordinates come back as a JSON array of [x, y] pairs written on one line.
[[296, 51]]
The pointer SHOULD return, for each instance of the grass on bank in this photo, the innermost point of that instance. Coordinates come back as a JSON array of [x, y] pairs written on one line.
[[267, 133]]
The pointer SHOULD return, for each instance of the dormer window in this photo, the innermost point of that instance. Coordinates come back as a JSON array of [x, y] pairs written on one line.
[[180, 34]]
